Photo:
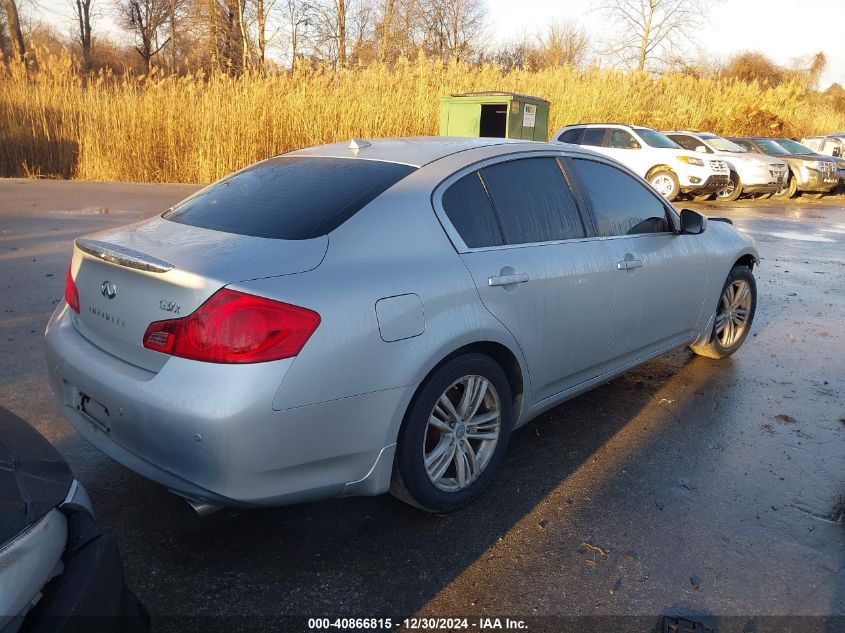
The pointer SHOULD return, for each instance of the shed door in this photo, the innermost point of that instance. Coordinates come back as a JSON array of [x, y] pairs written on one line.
[[464, 119]]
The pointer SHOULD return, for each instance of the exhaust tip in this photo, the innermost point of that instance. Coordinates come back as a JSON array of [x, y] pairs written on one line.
[[202, 508]]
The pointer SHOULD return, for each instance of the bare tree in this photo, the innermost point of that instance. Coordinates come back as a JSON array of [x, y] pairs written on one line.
[[145, 18], [14, 23], [298, 19], [648, 28], [563, 44], [82, 14], [454, 28]]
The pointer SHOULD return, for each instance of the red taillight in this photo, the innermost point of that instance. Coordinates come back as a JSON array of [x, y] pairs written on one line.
[[234, 327], [71, 293]]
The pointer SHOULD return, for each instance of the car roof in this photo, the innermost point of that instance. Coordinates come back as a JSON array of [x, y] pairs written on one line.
[[413, 151]]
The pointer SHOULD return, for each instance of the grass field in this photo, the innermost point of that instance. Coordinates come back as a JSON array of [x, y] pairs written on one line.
[[197, 128]]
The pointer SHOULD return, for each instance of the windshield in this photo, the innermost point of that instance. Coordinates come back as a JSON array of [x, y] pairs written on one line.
[[769, 146], [794, 147], [722, 144], [656, 139]]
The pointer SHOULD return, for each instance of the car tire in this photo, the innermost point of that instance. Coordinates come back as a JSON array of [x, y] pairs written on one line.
[[731, 309], [666, 183], [789, 190], [423, 448], [732, 191]]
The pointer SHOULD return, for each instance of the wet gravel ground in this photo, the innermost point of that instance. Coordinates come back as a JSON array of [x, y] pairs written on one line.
[[712, 488]]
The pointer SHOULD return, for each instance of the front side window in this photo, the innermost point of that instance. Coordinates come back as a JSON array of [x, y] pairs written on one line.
[[621, 204], [470, 211], [533, 201], [620, 139], [290, 197]]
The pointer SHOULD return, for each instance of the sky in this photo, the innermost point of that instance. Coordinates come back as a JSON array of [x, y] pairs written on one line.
[[773, 27]]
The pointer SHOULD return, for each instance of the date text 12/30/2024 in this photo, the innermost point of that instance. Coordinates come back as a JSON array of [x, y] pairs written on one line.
[[417, 624]]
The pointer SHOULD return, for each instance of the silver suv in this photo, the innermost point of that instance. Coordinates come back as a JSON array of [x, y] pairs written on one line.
[[832, 145]]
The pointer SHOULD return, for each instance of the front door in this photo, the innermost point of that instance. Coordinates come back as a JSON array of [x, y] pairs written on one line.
[[660, 276]]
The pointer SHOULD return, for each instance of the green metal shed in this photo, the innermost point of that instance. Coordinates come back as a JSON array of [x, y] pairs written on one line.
[[495, 114]]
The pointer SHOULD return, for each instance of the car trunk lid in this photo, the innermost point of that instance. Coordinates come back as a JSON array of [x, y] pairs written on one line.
[[132, 276]]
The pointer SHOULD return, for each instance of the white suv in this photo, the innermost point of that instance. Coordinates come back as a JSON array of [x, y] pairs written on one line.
[[750, 173], [669, 168]]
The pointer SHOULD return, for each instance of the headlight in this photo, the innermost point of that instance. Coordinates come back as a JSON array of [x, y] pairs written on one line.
[[689, 160]]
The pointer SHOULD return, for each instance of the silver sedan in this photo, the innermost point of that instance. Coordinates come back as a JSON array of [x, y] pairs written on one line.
[[380, 316]]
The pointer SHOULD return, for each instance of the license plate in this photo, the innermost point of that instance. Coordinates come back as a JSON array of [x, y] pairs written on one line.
[[780, 179], [95, 412]]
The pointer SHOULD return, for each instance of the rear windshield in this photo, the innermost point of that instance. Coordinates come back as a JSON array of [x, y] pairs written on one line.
[[289, 198]]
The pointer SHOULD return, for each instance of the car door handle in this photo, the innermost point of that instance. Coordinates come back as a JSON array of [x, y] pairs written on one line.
[[628, 264], [506, 280]]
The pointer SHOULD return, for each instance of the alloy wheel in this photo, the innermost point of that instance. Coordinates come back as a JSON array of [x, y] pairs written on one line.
[[462, 432], [734, 310]]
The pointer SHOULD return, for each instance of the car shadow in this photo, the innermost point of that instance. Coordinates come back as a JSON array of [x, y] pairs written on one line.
[[372, 557]]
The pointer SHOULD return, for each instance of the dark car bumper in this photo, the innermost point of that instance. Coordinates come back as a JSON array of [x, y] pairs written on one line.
[[90, 595]]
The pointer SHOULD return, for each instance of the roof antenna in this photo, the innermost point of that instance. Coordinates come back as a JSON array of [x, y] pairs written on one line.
[[357, 143]]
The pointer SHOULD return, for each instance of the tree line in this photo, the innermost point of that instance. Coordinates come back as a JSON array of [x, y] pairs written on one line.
[[236, 36]]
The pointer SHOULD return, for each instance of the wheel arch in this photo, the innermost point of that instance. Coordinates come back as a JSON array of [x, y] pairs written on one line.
[[656, 168]]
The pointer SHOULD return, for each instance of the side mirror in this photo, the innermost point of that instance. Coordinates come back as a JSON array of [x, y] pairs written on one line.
[[692, 222], [701, 149]]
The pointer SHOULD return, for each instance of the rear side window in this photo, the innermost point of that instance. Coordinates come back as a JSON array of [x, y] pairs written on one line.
[[533, 201], [594, 136], [289, 198], [571, 136], [621, 204], [687, 142], [469, 210]]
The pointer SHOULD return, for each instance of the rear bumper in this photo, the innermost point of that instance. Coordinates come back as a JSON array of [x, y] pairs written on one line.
[[209, 432]]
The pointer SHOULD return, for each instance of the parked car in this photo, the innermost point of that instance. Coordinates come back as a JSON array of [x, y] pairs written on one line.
[[58, 571], [811, 173], [750, 172], [348, 320], [833, 146], [670, 169]]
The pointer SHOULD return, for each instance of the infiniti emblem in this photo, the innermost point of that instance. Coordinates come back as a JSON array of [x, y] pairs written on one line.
[[108, 289]]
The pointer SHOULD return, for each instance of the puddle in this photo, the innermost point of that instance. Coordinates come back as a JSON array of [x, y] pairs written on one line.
[[804, 237]]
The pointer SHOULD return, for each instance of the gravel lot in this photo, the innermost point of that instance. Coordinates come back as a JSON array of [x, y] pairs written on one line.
[[687, 485]]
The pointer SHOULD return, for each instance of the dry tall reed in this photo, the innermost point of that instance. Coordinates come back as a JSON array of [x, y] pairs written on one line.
[[197, 128]]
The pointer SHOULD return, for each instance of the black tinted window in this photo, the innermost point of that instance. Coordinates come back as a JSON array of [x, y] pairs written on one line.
[[571, 136], [622, 205], [471, 213], [533, 201], [593, 136], [687, 142], [289, 198]]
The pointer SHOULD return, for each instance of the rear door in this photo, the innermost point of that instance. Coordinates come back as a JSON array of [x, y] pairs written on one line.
[[660, 276], [522, 236], [621, 145]]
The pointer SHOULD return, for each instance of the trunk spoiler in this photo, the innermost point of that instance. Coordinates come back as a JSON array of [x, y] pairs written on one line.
[[122, 256]]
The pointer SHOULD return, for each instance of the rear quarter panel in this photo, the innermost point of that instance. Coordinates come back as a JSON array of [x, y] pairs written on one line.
[[394, 246]]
